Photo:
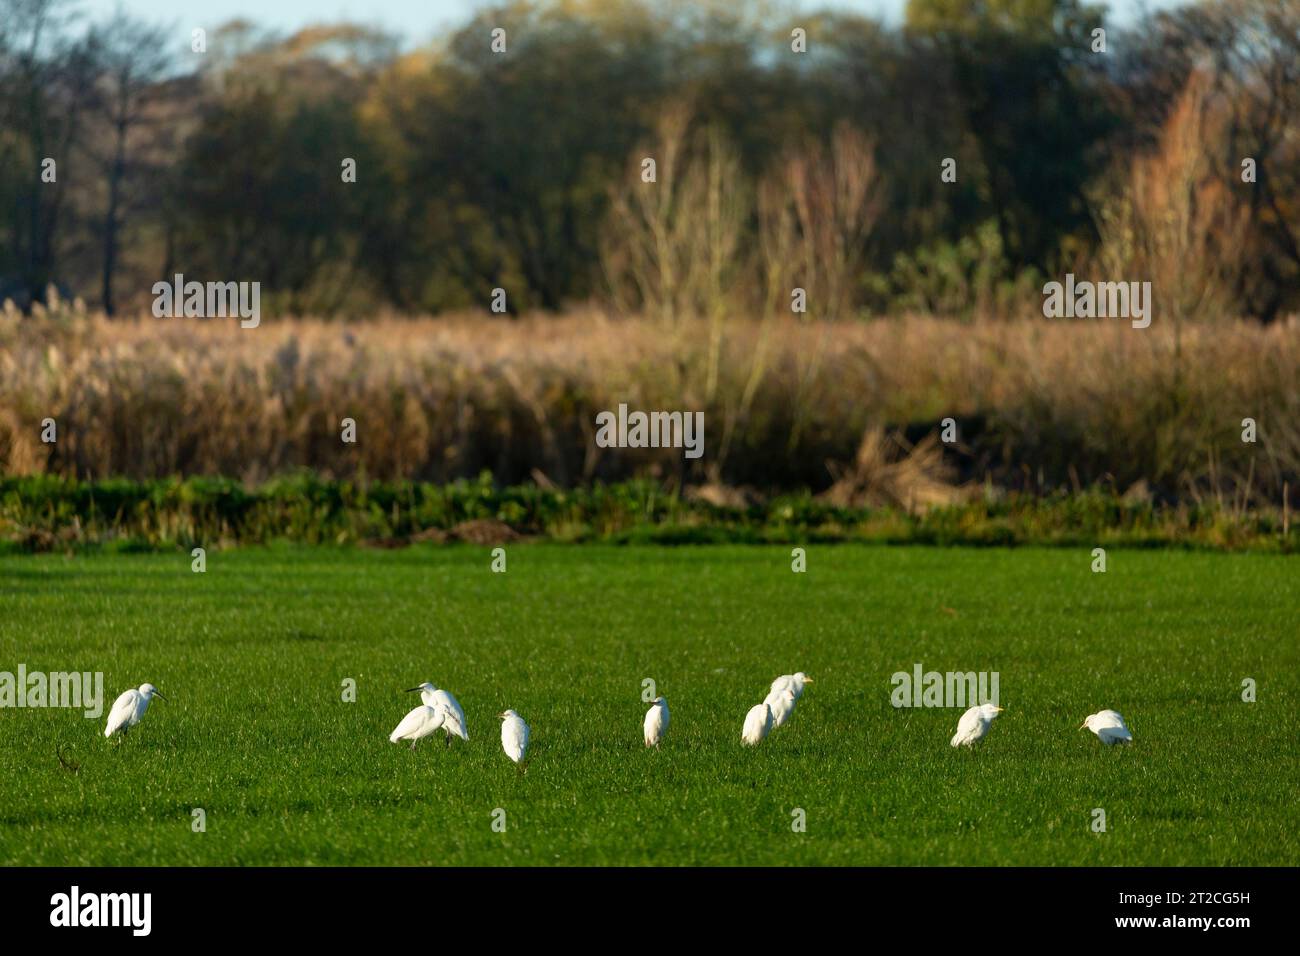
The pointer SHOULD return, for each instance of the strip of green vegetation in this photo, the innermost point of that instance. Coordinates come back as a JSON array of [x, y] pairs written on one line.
[[56, 514]]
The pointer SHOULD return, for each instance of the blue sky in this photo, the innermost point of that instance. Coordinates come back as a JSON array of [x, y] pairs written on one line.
[[419, 20]]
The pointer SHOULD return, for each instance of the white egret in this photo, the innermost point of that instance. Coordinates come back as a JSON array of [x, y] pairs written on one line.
[[514, 735], [453, 717], [656, 722], [758, 724], [418, 724], [782, 704], [974, 724], [795, 682], [1109, 727], [129, 708]]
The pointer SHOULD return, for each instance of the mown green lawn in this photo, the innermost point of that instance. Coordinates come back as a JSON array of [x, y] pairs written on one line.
[[253, 655]]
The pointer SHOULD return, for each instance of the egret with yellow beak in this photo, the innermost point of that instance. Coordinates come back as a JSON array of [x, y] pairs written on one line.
[[128, 710], [974, 724], [1109, 727]]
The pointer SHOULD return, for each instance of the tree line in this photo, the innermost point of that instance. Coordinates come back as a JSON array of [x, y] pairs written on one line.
[[944, 165]]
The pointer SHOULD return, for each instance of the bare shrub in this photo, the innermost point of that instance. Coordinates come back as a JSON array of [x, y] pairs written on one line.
[[816, 210], [1171, 220], [673, 247]]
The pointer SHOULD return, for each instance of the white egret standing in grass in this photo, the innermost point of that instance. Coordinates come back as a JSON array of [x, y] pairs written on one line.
[[656, 722], [1109, 727], [514, 735], [794, 682], [453, 718], [782, 704], [418, 724], [128, 709], [758, 724], [974, 724]]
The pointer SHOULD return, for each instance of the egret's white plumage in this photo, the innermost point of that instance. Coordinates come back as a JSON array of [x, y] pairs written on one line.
[[418, 724], [514, 735], [794, 682], [1109, 727], [129, 708], [974, 724], [758, 724], [781, 703], [452, 716], [656, 722]]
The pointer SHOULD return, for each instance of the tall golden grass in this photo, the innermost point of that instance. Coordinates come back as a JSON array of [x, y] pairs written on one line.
[[1041, 404]]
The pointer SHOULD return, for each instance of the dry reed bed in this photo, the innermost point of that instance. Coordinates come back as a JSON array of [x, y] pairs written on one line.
[[787, 403]]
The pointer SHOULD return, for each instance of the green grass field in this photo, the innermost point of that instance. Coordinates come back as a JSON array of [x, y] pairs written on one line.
[[253, 655]]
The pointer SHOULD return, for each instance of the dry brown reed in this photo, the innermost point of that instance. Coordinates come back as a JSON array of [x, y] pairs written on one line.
[[1040, 403]]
